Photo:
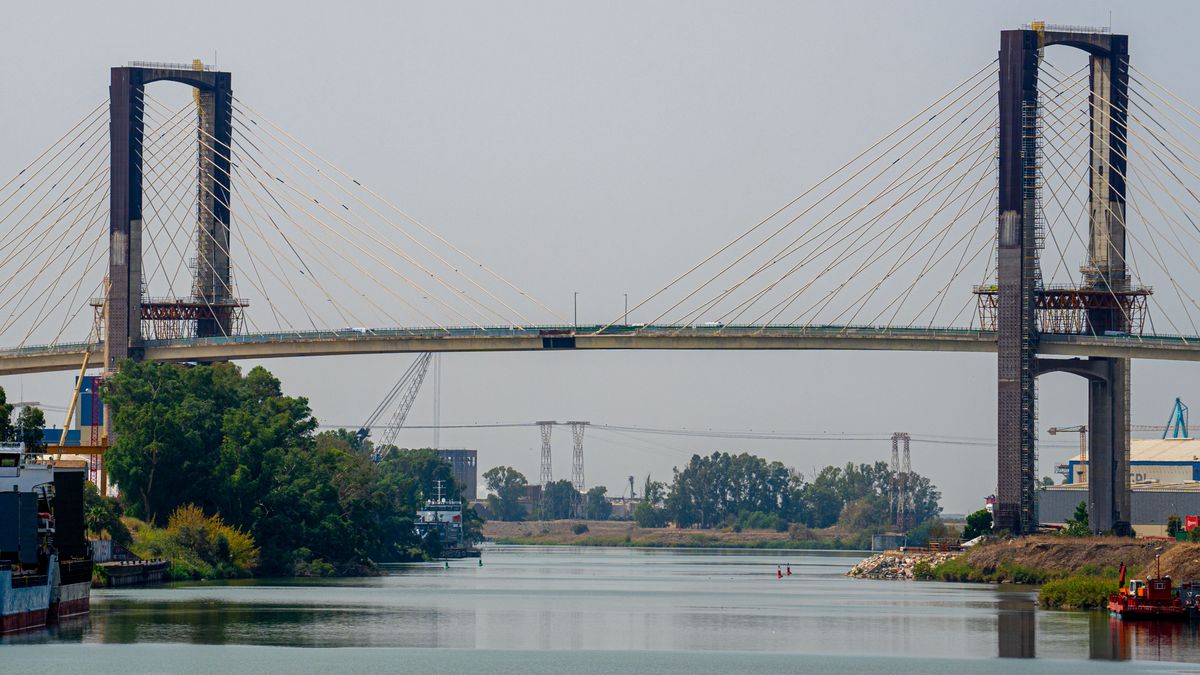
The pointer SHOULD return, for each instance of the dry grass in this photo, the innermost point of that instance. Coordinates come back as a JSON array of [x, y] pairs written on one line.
[[1090, 555], [618, 533], [1181, 561]]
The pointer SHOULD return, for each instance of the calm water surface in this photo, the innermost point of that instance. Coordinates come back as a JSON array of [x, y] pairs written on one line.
[[532, 609]]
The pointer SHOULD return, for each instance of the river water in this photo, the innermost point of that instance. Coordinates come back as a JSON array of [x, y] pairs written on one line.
[[589, 610]]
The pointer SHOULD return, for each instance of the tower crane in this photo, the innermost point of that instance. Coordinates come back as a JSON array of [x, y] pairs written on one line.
[[1176, 426], [405, 391]]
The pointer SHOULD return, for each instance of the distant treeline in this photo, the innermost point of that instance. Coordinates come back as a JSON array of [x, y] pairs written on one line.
[[744, 490]]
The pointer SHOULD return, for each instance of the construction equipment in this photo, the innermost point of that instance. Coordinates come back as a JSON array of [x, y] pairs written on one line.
[[1178, 419], [405, 390]]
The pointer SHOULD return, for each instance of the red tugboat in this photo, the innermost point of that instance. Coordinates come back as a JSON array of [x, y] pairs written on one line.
[[1151, 598]]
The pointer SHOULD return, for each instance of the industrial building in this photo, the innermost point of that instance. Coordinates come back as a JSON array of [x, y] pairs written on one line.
[[465, 468], [1164, 476]]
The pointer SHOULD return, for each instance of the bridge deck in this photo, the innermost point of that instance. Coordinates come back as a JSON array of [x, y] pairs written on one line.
[[556, 338]]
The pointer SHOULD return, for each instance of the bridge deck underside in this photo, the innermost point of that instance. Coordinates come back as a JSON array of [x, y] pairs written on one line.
[[558, 338]]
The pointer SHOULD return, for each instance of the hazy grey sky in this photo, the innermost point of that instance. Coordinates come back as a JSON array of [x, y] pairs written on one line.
[[602, 148]]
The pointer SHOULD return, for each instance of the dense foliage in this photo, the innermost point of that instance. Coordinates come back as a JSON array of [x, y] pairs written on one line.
[[747, 491], [506, 486], [979, 522], [1077, 592], [102, 516], [1077, 524], [199, 546], [234, 445]]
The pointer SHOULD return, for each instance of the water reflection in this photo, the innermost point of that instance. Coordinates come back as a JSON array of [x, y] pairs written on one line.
[[624, 601], [1017, 626], [1116, 639]]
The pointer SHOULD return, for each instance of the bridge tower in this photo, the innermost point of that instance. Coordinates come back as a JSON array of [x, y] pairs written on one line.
[[1108, 301], [211, 307]]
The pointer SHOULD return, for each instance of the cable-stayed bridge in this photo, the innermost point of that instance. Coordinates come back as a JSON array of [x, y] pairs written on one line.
[[1038, 208]]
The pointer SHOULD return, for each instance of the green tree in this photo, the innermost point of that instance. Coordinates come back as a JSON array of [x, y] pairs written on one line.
[[647, 515], [30, 424], [7, 431], [507, 487], [1173, 526], [559, 501], [102, 516], [978, 523], [596, 505], [1077, 525]]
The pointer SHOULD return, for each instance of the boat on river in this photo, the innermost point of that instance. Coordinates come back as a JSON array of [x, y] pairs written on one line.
[[441, 520], [1150, 598], [45, 559]]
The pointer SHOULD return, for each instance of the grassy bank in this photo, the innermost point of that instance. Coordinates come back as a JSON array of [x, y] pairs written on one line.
[[1074, 573], [1077, 592], [617, 533]]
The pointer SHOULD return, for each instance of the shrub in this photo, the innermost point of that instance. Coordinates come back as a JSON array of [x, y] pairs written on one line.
[[198, 546], [978, 523], [579, 528], [1077, 592]]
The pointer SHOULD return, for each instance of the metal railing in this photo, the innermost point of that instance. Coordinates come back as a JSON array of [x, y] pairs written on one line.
[[162, 65]]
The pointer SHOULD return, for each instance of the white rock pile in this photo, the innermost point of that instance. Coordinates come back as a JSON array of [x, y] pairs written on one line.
[[896, 564]]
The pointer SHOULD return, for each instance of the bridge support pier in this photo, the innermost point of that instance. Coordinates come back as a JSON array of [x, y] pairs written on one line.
[[1108, 498], [1019, 279]]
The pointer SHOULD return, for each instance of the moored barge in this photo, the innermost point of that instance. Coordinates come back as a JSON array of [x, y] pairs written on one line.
[[45, 560]]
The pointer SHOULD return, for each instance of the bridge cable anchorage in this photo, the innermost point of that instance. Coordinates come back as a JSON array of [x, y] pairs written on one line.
[[913, 172], [1057, 104], [456, 292], [905, 175], [795, 245], [971, 83], [302, 207], [1138, 185], [182, 169], [169, 325], [931, 188], [76, 183], [883, 246], [91, 122], [338, 190], [274, 198], [248, 209], [1073, 187], [184, 132], [303, 269], [513, 321], [930, 184], [402, 213]]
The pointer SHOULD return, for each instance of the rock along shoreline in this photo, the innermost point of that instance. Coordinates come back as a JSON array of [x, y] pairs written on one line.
[[896, 565]]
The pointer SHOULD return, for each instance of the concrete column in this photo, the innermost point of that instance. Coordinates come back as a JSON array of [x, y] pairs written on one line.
[[1016, 274], [122, 325], [212, 276]]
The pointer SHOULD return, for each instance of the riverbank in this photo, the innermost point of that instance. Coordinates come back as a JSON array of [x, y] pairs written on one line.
[[1074, 573], [624, 533]]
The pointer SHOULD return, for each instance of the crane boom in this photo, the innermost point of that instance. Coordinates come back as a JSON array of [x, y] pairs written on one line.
[[405, 391]]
